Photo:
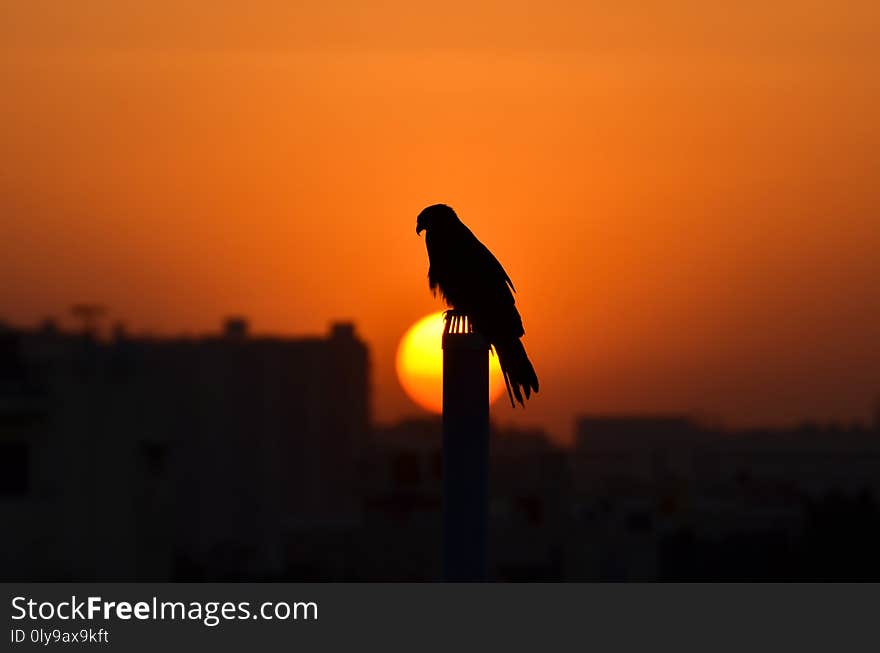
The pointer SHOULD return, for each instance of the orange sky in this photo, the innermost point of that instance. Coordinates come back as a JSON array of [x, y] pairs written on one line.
[[686, 195]]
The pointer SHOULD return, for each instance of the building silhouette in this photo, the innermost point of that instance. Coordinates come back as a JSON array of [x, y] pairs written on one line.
[[663, 497], [233, 456], [153, 458]]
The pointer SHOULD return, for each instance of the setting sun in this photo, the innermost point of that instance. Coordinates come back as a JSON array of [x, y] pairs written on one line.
[[420, 365]]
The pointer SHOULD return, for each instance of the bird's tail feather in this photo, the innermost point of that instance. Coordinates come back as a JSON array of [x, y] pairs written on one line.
[[519, 375]]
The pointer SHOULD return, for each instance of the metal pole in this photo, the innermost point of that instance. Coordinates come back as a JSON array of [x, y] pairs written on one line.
[[465, 451]]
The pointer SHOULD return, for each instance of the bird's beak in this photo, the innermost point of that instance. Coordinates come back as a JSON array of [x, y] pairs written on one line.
[[419, 228]]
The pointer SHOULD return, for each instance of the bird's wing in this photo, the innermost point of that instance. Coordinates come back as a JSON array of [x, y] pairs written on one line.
[[495, 264], [488, 292], [483, 261]]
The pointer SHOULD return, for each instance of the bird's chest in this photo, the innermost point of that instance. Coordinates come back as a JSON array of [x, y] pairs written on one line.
[[447, 270], [443, 252]]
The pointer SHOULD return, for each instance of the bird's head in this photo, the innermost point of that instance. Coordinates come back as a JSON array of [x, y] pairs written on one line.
[[435, 216]]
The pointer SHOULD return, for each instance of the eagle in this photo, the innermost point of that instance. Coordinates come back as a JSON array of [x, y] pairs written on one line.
[[472, 282]]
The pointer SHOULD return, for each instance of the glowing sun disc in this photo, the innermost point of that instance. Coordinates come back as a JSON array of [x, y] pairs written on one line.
[[420, 365]]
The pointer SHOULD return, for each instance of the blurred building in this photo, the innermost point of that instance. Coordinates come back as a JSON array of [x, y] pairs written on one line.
[[662, 497], [401, 535], [234, 456], [151, 458]]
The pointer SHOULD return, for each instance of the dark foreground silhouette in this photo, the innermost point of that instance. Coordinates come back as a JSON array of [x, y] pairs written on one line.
[[225, 456], [471, 280]]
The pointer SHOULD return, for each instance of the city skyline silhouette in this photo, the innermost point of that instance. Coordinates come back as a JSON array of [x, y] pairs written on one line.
[[225, 456]]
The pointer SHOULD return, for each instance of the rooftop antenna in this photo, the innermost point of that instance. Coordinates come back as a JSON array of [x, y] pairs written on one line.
[[88, 315], [465, 450]]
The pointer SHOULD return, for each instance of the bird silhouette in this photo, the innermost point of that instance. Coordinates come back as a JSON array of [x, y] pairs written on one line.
[[471, 281]]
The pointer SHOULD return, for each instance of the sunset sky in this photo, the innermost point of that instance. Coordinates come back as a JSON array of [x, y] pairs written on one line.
[[684, 193]]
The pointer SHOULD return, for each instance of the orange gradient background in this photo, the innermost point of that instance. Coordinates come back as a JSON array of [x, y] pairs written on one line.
[[686, 196]]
